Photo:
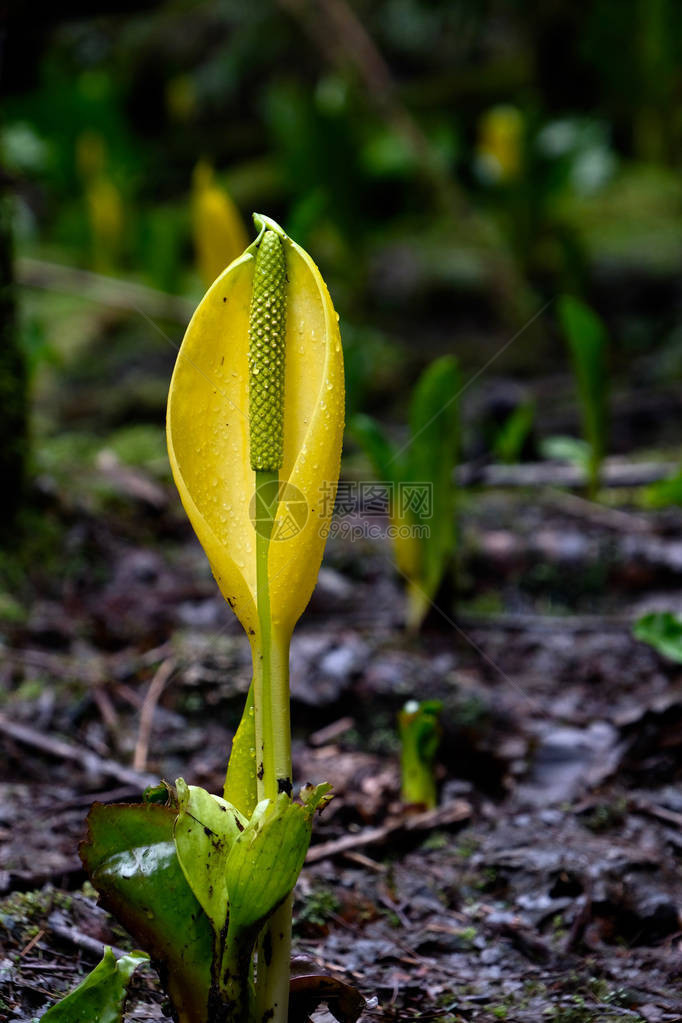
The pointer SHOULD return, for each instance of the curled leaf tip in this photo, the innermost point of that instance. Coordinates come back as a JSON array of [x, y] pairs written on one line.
[[265, 223]]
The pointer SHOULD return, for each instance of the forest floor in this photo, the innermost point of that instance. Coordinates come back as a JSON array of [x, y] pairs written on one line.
[[547, 884]]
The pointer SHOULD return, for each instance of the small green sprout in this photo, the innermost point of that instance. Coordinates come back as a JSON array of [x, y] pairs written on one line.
[[513, 434], [102, 994], [424, 529], [420, 734], [663, 631], [664, 493], [320, 906], [588, 342]]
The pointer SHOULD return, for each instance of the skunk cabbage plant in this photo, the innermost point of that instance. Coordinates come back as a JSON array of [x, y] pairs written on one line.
[[103, 202], [203, 882], [421, 478], [588, 343], [420, 734]]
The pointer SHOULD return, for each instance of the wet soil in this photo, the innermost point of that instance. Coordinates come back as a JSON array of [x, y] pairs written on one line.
[[550, 888]]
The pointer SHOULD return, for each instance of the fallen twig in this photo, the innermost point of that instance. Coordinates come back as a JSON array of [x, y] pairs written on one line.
[[661, 813], [62, 750], [365, 861], [130, 482], [67, 932], [68, 875], [96, 671], [600, 514], [109, 291], [152, 697], [449, 813], [332, 731], [615, 473], [528, 944], [106, 708], [32, 943], [548, 623]]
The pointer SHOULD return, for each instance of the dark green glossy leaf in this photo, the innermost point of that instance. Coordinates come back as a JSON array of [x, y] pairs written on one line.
[[130, 856], [101, 996]]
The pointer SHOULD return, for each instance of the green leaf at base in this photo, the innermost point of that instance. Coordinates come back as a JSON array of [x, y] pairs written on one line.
[[663, 631], [130, 856], [101, 996], [264, 863], [205, 831]]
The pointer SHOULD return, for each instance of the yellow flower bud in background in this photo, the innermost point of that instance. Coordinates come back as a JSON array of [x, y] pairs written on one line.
[[107, 221], [499, 152], [103, 201], [219, 232]]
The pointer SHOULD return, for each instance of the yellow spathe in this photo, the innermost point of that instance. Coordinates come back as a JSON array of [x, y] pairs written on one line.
[[208, 434]]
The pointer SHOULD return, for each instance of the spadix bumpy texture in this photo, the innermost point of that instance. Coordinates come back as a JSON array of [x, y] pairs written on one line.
[[208, 431], [267, 338]]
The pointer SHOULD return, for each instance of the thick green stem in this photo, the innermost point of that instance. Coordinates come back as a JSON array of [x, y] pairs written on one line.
[[280, 708], [274, 953], [267, 483], [272, 994], [236, 981], [267, 335], [273, 746]]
